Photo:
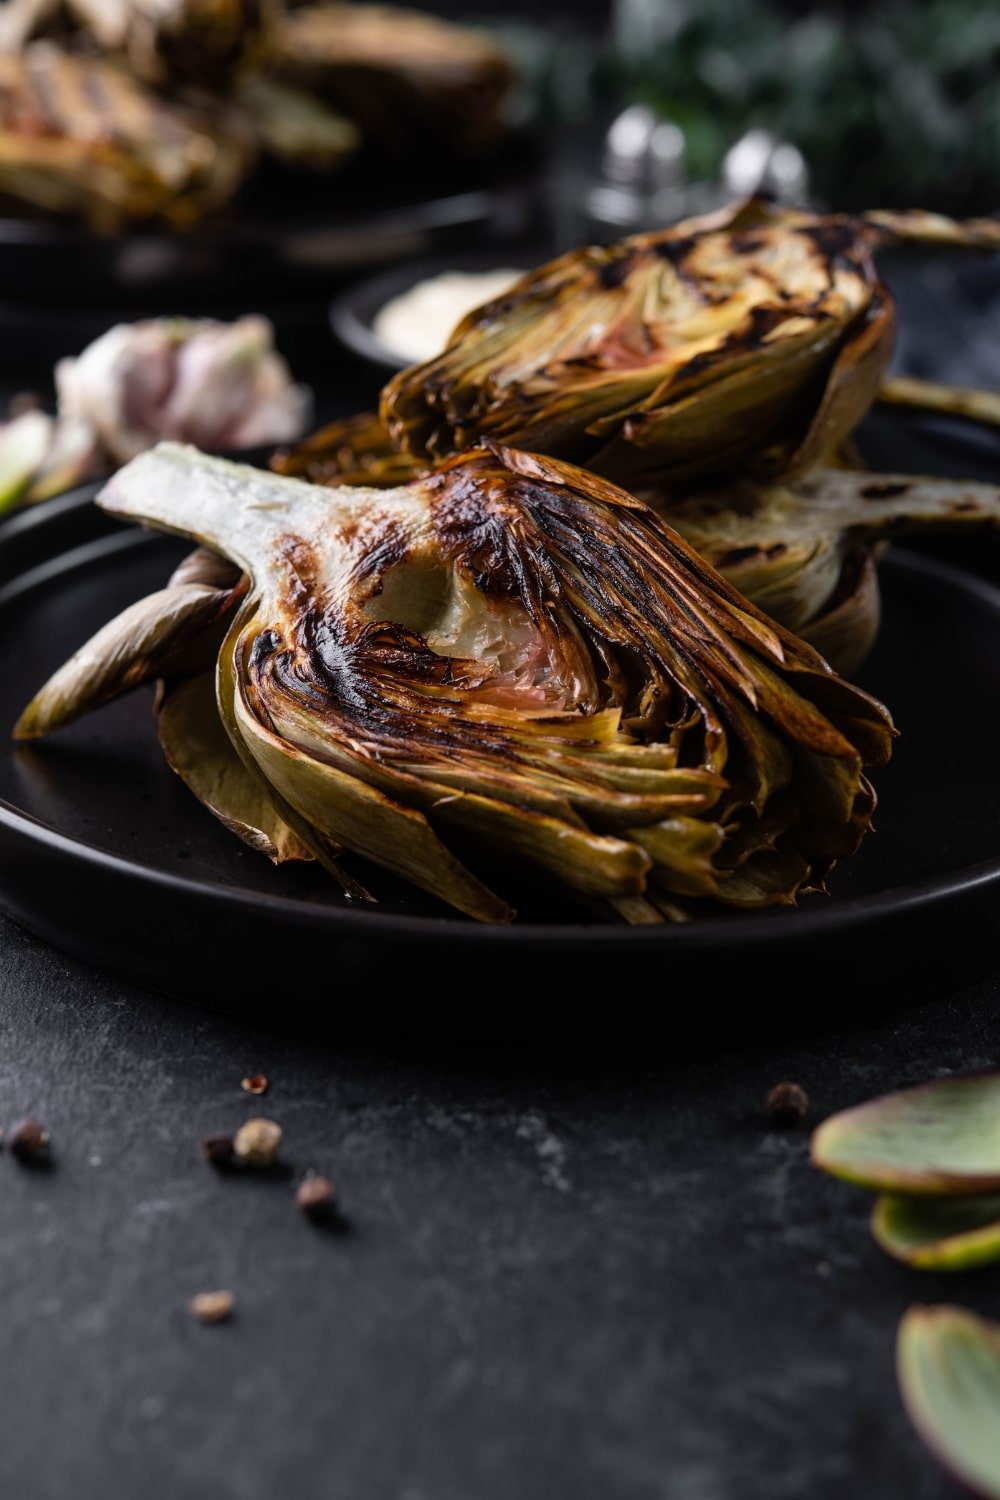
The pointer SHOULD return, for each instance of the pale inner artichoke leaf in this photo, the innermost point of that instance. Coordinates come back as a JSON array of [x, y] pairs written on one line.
[[346, 809]]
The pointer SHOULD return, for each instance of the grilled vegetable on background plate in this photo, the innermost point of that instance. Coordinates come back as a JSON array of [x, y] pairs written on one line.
[[123, 113], [718, 369], [80, 136], [506, 670]]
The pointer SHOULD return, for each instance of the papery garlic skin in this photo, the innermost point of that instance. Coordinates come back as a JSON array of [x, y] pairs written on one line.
[[221, 386]]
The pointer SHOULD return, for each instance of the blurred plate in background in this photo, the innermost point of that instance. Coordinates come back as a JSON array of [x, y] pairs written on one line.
[[354, 311]]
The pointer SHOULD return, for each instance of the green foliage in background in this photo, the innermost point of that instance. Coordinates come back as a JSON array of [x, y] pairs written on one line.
[[894, 105]]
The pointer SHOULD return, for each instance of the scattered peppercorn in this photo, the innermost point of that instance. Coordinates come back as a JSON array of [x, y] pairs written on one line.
[[257, 1084], [28, 1140], [218, 1149], [256, 1143], [786, 1104], [315, 1197], [212, 1307]]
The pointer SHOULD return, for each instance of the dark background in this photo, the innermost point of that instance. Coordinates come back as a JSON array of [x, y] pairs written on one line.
[[575, 1259]]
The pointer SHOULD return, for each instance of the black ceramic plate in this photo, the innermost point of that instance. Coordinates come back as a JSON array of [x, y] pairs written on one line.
[[104, 853]]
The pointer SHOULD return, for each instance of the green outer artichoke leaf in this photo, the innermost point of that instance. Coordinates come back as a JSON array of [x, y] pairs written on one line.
[[948, 1369], [937, 1139], [200, 752], [139, 644], [938, 1234]]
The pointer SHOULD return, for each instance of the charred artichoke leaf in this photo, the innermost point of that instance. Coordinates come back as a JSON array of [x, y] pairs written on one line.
[[323, 848], [513, 656], [753, 338], [146, 640], [967, 402], [350, 450], [805, 549]]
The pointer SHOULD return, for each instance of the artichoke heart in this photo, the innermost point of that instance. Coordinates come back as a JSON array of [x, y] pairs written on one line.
[[752, 339], [509, 670]]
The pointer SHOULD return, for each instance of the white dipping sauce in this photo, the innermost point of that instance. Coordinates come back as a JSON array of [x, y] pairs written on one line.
[[416, 325]]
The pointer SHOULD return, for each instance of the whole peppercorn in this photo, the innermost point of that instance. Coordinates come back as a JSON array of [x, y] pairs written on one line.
[[256, 1143], [786, 1104], [315, 1197], [218, 1149], [212, 1307], [28, 1140]]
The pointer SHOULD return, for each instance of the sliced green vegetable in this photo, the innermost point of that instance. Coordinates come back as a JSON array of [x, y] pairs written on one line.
[[948, 1368], [939, 1234], [939, 1139], [24, 446]]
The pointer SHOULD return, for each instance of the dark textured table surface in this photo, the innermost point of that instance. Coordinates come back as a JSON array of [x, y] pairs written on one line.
[[575, 1266], [575, 1259]]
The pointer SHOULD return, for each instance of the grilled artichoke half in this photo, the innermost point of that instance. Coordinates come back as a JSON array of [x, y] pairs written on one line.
[[753, 339], [510, 665]]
